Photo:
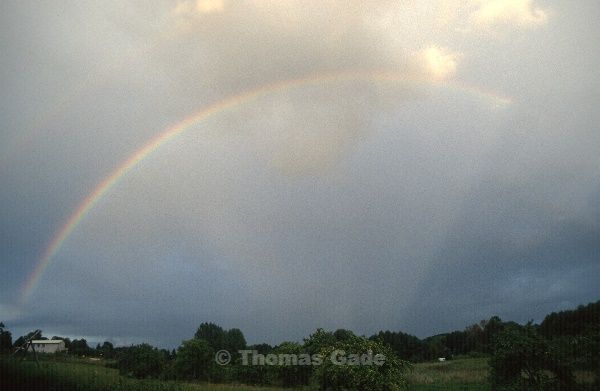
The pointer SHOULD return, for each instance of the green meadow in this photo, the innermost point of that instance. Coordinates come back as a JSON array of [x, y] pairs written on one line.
[[85, 374], [459, 374]]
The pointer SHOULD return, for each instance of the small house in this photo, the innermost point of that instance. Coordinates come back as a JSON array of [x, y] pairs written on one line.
[[47, 346]]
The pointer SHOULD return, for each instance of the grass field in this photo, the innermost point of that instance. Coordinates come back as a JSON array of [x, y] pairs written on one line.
[[86, 375], [459, 374], [82, 374]]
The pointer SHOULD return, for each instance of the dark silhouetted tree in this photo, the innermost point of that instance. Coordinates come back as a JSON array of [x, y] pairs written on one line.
[[234, 341], [5, 338], [80, 347], [523, 359], [213, 334], [107, 350], [318, 340], [289, 373], [406, 346], [194, 359], [141, 361]]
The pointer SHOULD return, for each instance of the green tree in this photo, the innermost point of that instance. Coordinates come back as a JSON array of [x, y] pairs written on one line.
[[575, 334], [256, 374], [319, 340], [21, 340], [5, 338], [434, 347], [523, 359], [456, 342], [332, 375], [234, 341], [589, 347], [80, 347], [580, 321], [107, 350], [343, 335], [262, 348], [290, 372], [475, 337], [141, 361], [406, 346], [491, 329], [194, 359], [213, 334]]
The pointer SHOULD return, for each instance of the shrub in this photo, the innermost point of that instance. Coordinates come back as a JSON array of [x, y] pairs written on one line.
[[141, 361], [386, 377], [523, 359]]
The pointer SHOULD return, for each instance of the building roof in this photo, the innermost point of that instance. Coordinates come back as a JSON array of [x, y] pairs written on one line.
[[47, 341]]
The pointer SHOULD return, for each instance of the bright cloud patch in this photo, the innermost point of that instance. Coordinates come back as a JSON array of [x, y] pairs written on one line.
[[199, 7], [516, 12], [186, 12], [439, 63]]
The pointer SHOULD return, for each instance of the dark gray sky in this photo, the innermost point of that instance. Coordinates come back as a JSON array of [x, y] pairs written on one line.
[[463, 187]]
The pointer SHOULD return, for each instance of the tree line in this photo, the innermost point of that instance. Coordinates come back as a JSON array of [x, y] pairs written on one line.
[[529, 356]]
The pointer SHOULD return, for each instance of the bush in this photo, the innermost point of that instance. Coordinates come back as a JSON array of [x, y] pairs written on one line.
[[194, 359], [292, 374], [141, 361], [523, 359], [386, 377]]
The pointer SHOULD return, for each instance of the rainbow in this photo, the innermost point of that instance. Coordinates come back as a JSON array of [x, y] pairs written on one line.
[[175, 130]]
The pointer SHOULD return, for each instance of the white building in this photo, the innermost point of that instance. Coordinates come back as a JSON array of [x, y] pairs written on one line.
[[47, 346]]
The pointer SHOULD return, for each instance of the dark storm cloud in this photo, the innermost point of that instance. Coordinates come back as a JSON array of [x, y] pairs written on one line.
[[519, 262]]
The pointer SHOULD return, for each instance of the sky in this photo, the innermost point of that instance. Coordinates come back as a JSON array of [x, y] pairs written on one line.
[[280, 166]]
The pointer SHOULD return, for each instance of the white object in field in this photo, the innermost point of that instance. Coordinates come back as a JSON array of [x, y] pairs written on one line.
[[47, 346]]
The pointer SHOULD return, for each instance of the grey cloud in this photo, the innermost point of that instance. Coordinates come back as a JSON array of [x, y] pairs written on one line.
[[357, 204]]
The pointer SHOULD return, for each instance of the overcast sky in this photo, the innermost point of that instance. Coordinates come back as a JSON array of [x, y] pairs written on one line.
[[466, 185]]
